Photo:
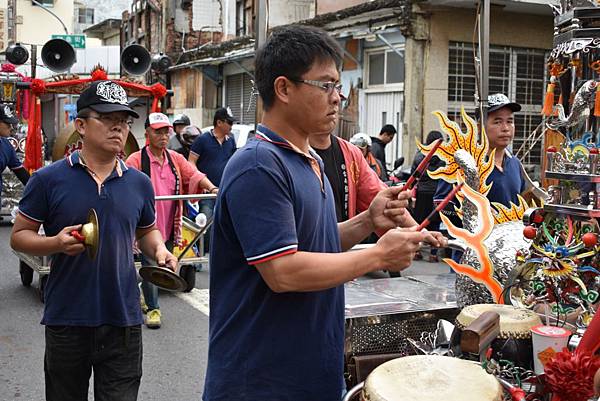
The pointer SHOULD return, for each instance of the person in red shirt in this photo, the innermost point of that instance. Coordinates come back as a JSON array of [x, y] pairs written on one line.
[[171, 174]]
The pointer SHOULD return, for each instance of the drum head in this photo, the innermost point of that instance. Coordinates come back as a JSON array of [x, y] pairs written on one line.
[[514, 322], [431, 378], [163, 278]]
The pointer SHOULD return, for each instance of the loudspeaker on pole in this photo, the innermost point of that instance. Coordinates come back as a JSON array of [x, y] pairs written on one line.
[[58, 55], [160, 63], [17, 54], [135, 60]]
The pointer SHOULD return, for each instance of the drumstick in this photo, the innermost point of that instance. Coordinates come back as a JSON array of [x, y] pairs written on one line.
[[422, 166], [439, 207]]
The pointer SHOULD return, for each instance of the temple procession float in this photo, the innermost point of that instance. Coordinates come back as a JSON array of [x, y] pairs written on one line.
[[527, 284], [518, 319]]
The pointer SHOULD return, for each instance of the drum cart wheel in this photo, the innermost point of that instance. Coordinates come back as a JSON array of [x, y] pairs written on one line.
[[188, 273], [26, 273], [42, 288]]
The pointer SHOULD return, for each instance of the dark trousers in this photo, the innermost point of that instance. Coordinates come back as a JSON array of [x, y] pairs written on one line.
[[113, 353]]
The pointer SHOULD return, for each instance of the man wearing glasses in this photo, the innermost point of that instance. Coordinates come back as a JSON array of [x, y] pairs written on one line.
[[277, 269], [91, 312], [210, 152], [171, 174]]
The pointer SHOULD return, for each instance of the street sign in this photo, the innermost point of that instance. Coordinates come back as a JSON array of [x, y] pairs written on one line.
[[77, 41]]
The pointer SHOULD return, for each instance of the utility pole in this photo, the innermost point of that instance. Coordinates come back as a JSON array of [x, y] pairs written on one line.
[[261, 23], [11, 11], [484, 56], [260, 37]]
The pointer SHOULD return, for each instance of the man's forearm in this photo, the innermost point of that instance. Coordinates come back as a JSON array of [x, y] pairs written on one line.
[[355, 230], [307, 271], [32, 243], [22, 175], [150, 242]]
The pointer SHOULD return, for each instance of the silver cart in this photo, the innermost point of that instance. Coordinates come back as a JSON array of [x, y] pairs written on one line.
[[383, 316]]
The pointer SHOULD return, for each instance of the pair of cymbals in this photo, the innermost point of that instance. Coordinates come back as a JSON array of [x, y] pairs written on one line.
[[159, 276]]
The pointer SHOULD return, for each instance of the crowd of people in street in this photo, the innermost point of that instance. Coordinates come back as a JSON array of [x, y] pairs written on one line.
[[289, 204]]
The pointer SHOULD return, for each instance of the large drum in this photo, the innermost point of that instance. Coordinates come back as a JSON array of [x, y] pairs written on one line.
[[430, 378], [514, 342]]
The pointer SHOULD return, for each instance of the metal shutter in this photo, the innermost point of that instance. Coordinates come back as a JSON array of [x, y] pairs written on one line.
[[238, 97], [233, 94], [248, 102]]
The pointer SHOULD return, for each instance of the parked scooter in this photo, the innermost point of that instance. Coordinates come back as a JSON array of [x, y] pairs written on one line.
[[400, 173]]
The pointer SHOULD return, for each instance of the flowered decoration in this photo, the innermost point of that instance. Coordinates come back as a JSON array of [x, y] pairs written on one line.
[[570, 375], [33, 152]]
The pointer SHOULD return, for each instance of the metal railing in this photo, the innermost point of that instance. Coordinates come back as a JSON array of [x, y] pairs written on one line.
[[186, 197]]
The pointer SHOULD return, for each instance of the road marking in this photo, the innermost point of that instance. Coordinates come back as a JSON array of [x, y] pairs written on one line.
[[197, 299]]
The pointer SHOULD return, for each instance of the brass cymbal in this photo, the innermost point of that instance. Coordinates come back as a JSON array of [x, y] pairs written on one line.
[[163, 277], [91, 234]]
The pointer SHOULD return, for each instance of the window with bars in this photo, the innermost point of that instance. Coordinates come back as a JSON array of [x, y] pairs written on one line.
[[517, 72]]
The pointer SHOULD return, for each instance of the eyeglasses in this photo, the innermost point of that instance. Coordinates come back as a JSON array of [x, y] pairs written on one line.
[[328, 87], [112, 121]]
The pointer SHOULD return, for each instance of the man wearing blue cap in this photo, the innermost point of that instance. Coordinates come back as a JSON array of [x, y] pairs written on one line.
[[8, 156]]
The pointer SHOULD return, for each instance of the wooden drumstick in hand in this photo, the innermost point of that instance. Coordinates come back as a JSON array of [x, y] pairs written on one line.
[[422, 166]]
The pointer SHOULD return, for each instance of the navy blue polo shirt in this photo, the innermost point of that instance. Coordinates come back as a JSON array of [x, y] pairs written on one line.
[[8, 158], [81, 291], [506, 185], [265, 345], [212, 155]]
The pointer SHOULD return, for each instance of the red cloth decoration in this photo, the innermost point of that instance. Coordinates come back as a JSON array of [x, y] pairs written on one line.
[[33, 144], [590, 342], [68, 82], [570, 376], [8, 67], [38, 86], [99, 75], [158, 90], [155, 108], [25, 100]]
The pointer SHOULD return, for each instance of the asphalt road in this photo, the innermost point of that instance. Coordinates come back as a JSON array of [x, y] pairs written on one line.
[[174, 356]]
